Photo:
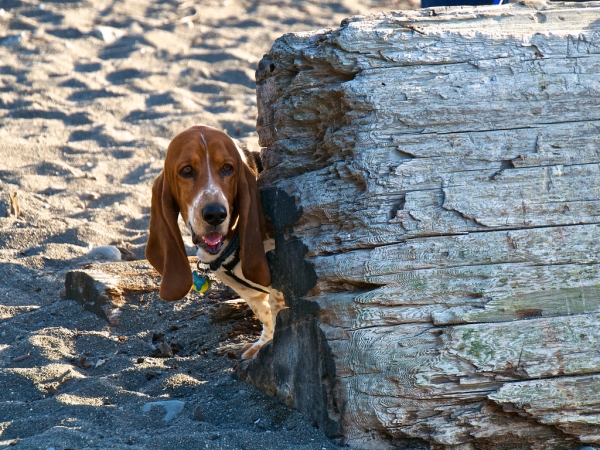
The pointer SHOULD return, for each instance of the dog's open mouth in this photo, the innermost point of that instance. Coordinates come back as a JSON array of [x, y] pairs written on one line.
[[211, 242]]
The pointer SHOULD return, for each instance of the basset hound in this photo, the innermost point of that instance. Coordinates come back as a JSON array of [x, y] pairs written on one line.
[[208, 179]]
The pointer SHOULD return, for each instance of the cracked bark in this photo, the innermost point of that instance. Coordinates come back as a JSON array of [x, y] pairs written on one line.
[[434, 183]]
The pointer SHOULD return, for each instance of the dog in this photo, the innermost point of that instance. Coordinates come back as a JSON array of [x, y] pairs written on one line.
[[211, 182]]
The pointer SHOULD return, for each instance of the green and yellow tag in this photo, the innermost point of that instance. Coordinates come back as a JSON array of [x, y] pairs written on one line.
[[201, 284]]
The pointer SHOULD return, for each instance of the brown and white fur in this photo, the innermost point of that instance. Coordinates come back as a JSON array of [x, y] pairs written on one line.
[[207, 179]]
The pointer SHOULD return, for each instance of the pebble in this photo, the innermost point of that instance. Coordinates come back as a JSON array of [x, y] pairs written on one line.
[[91, 195], [109, 252], [14, 39], [163, 350], [3, 334], [172, 407], [100, 363], [108, 34], [198, 414]]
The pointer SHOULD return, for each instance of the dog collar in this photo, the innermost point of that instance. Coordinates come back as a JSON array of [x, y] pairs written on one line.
[[229, 250], [201, 282]]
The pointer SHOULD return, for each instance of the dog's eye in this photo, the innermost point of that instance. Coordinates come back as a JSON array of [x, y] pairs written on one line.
[[227, 169], [187, 172]]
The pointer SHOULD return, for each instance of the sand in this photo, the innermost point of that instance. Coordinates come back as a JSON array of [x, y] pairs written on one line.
[[91, 92]]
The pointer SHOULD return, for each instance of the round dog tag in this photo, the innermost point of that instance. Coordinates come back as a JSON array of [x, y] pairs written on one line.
[[201, 283]]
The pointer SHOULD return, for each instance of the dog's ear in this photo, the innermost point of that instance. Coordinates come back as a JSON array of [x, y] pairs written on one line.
[[251, 228], [165, 249]]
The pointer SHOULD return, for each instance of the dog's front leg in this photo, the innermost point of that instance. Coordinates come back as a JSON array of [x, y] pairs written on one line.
[[259, 305], [276, 303]]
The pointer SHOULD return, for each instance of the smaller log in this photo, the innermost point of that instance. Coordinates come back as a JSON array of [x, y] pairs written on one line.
[[229, 310], [101, 288], [97, 292]]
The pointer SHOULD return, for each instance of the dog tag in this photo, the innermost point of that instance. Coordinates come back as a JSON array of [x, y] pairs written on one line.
[[201, 284]]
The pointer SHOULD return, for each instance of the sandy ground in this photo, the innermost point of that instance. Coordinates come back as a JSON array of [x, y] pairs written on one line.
[[91, 92]]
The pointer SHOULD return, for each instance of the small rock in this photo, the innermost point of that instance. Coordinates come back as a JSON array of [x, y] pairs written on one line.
[[14, 39], [242, 391], [107, 252], [82, 363], [198, 414], [140, 360], [152, 375], [172, 407], [163, 350], [108, 34], [176, 347], [126, 254], [51, 390], [157, 337], [3, 334], [91, 195]]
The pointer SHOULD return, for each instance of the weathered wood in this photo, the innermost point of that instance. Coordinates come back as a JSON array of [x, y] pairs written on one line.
[[433, 178], [102, 288], [97, 292]]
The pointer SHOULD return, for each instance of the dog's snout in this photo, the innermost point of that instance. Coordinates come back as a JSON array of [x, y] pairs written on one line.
[[214, 214]]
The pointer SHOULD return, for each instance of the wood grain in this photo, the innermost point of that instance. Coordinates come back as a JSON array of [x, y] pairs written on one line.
[[445, 166]]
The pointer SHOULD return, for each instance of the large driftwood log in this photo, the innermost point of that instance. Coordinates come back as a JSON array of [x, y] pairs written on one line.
[[433, 177]]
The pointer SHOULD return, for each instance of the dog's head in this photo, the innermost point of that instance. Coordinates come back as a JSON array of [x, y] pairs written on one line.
[[206, 180]]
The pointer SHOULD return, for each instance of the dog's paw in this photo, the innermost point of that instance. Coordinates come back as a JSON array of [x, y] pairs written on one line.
[[250, 350]]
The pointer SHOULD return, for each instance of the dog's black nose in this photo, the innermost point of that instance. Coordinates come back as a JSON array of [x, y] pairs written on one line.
[[214, 214]]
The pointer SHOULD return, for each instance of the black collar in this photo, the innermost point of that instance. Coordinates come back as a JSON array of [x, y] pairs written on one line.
[[231, 247]]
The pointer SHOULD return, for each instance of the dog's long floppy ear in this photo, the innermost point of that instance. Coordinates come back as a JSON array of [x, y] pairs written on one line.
[[252, 229], [165, 249]]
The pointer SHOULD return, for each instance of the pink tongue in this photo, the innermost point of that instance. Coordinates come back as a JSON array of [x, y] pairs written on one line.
[[212, 239]]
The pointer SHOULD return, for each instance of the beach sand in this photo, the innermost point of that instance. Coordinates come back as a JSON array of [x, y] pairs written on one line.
[[91, 93]]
